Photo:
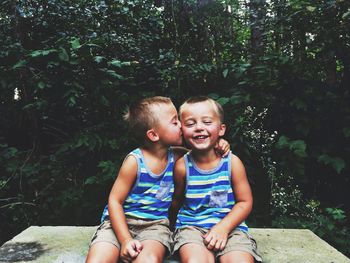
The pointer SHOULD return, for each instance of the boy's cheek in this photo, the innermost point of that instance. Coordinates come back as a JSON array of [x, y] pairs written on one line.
[[185, 133]]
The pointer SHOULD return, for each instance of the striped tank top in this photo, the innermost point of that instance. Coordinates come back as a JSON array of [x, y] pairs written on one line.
[[150, 197], [209, 196]]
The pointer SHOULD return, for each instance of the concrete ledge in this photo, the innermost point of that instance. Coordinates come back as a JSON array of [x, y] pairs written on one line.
[[69, 244]]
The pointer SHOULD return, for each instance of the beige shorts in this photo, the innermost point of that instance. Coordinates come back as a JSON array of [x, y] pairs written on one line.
[[139, 229], [237, 241]]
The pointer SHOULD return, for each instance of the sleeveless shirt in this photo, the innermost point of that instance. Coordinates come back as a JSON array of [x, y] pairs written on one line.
[[150, 197], [209, 196]]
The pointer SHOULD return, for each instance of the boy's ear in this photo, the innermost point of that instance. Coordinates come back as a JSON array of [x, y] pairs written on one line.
[[152, 135], [222, 130]]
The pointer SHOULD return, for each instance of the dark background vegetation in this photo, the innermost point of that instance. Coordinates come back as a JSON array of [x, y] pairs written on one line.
[[280, 68]]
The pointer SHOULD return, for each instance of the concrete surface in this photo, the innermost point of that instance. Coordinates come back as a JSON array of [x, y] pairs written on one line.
[[69, 244]]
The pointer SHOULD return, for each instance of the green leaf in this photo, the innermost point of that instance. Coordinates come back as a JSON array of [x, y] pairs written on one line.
[[63, 55], [93, 45], [336, 213], [310, 8], [337, 163], [283, 142], [41, 53], [225, 73], [223, 101], [237, 99], [126, 63], [99, 59], [75, 43], [346, 15], [41, 85], [114, 74], [91, 180], [19, 64], [71, 101], [116, 63], [298, 147]]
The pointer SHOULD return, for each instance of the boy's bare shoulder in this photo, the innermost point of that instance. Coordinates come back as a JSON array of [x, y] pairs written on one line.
[[234, 157], [236, 161], [180, 166], [130, 162]]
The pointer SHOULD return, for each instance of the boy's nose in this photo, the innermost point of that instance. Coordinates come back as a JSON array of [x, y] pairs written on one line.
[[199, 126]]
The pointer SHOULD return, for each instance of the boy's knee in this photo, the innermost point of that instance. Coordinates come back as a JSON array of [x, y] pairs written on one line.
[[95, 259], [149, 258], [102, 253], [196, 260]]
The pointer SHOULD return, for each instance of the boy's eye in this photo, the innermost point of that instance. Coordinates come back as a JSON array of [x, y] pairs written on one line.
[[189, 124], [207, 122]]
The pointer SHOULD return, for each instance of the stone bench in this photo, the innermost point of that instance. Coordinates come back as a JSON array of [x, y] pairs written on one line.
[[69, 244]]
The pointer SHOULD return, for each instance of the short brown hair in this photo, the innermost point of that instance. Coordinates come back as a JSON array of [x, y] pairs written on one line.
[[141, 116], [217, 107]]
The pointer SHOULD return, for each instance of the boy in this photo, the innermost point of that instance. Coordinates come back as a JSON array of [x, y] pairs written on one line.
[[213, 191], [135, 226]]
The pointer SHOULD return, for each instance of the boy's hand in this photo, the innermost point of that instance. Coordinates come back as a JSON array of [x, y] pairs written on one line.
[[130, 249], [222, 147], [216, 238]]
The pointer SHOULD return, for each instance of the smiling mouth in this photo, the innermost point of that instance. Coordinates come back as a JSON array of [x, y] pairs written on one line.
[[200, 137]]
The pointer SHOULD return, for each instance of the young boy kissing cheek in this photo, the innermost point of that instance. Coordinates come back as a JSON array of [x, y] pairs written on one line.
[[168, 128], [201, 125]]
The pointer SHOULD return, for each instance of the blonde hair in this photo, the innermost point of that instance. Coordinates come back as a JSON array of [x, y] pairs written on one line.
[[216, 106], [141, 116]]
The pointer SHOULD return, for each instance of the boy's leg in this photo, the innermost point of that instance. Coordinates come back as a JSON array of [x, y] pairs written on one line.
[[104, 245], [195, 253], [188, 242], [237, 257], [240, 248], [102, 252], [154, 235], [152, 252]]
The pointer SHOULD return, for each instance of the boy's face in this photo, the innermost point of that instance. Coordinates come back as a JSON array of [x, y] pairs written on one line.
[[201, 125], [169, 126]]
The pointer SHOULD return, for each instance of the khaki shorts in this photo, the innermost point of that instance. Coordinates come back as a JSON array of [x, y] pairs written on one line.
[[139, 229], [237, 241]]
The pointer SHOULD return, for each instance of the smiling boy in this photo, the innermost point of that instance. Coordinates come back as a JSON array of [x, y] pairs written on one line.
[[211, 192]]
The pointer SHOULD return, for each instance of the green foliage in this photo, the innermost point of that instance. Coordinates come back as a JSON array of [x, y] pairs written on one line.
[[298, 147], [69, 68]]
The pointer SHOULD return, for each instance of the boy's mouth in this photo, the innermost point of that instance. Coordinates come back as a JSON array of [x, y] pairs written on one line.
[[200, 137]]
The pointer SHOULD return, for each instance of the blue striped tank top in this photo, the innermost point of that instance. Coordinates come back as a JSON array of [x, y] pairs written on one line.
[[150, 197], [209, 196]]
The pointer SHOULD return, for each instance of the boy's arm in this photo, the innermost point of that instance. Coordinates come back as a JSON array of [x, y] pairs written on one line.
[[130, 248], [216, 238], [179, 191]]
